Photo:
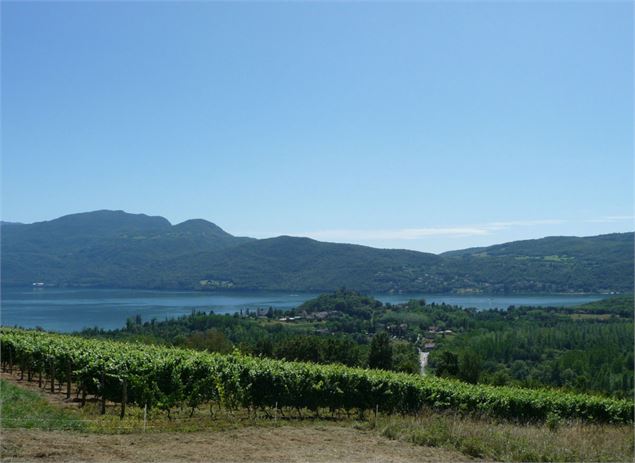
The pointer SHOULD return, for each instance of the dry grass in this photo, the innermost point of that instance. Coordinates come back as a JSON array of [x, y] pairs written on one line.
[[283, 444], [504, 441]]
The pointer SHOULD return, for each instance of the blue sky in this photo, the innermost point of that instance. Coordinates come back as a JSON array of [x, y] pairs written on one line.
[[428, 126]]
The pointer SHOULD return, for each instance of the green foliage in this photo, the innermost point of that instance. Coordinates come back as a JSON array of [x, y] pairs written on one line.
[[587, 348], [223, 333], [620, 306], [469, 366], [447, 364], [319, 349], [553, 264], [405, 357], [167, 378], [350, 303], [380, 354], [211, 340], [553, 421]]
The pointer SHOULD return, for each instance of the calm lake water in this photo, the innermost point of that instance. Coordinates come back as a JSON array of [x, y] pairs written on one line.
[[67, 310]]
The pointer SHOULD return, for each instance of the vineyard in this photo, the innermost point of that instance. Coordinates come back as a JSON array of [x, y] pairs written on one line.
[[167, 378]]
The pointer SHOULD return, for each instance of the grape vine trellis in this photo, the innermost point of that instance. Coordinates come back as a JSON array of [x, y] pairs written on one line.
[[166, 377]]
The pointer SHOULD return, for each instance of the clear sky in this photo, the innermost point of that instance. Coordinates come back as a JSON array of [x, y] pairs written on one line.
[[428, 126]]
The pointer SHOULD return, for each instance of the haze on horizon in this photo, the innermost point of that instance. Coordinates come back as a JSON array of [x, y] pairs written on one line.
[[421, 126]]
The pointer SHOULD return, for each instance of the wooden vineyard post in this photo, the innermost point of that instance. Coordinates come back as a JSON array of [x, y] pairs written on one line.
[[145, 417], [39, 381], [103, 393], [124, 398], [69, 371], [52, 376]]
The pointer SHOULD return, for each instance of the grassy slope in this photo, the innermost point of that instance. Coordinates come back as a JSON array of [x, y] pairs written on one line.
[[20, 408]]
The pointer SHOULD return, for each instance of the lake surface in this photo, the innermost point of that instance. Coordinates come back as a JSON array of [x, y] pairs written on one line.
[[67, 310]]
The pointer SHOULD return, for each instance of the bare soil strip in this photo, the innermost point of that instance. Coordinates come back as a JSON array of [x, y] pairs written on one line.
[[285, 444]]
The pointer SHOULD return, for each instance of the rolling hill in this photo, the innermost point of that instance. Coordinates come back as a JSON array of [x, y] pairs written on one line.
[[117, 249]]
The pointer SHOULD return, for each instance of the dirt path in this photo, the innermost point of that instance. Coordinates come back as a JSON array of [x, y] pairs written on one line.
[[285, 444], [423, 361]]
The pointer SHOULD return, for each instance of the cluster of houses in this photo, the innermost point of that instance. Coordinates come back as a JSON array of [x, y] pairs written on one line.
[[260, 312], [395, 329], [319, 316], [434, 330], [428, 342]]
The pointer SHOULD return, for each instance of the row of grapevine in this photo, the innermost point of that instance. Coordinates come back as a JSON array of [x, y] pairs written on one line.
[[168, 377]]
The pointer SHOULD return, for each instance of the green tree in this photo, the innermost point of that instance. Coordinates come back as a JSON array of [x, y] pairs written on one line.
[[211, 340], [448, 364], [470, 364], [300, 348], [405, 357], [380, 354]]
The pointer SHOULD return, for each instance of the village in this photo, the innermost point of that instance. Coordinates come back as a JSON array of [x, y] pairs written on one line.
[[333, 322]]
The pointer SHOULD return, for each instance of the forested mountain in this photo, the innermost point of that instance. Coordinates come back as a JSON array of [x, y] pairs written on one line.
[[551, 264], [117, 249]]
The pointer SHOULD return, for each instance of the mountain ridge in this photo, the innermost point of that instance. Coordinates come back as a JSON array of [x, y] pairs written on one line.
[[117, 249]]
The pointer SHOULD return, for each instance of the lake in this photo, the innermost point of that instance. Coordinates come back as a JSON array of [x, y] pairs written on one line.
[[66, 310]]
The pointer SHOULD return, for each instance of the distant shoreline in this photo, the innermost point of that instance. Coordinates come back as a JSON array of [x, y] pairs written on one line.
[[317, 291]]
